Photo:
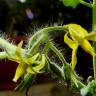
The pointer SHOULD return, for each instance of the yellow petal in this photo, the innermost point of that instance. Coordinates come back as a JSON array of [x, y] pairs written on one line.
[[74, 58], [86, 46], [31, 60], [72, 44], [30, 70], [19, 72], [18, 49], [77, 30], [15, 59], [41, 65], [91, 36], [37, 68]]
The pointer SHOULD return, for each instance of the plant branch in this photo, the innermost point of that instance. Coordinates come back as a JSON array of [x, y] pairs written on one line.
[[86, 3], [44, 31], [58, 53]]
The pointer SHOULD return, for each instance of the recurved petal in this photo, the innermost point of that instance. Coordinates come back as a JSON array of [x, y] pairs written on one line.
[[86, 46], [19, 71], [72, 44], [74, 57], [76, 29], [41, 65], [18, 49], [31, 60], [30, 70], [91, 36]]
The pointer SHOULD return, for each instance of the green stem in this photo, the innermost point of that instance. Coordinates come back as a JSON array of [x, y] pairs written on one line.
[[46, 48], [6, 45], [86, 3], [36, 44], [77, 82], [55, 68], [94, 29], [43, 31], [58, 53], [28, 78]]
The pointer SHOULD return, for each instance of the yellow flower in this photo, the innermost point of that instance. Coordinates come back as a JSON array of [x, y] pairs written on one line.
[[78, 36], [25, 64]]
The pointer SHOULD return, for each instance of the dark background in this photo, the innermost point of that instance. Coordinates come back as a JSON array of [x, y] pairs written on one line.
[[15, 23]]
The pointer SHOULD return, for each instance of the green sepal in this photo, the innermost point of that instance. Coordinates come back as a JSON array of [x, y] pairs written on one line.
[[54, 68]]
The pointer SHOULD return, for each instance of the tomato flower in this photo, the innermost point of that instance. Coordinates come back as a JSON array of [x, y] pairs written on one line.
[[78, 36], [26, 63]]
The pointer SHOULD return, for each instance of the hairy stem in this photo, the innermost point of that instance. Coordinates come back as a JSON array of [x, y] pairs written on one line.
[[86, 3], [6, 45], [43, 31], [58, 53], [36, 44]]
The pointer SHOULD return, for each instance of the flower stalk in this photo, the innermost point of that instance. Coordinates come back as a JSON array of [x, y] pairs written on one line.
[[85, 3]]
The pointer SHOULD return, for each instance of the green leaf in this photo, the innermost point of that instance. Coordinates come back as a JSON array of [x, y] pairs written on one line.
[[71, 3], [90, 89]]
